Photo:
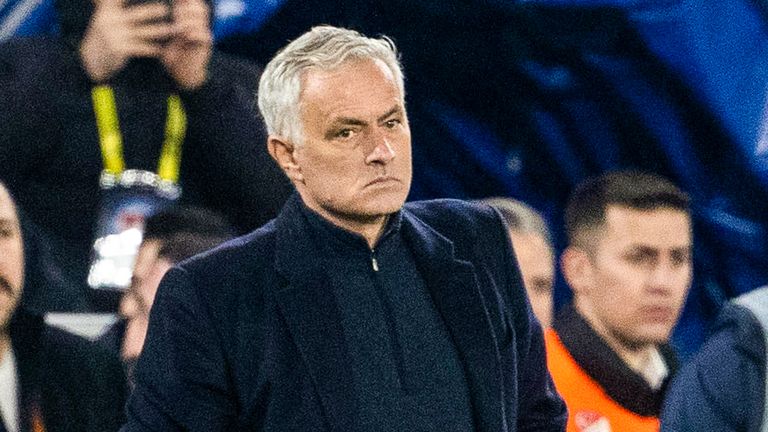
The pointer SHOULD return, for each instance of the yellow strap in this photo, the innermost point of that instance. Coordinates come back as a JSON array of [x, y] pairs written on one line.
[[111, 140], [168, 166], [109, 129]]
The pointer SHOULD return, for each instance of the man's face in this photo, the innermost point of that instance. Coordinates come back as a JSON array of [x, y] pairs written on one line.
[[355, 161], [537, 265], [138, 299], [11, 259], [639, 274]]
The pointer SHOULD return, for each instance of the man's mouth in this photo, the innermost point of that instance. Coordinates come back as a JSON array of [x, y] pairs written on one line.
[[382, 179]]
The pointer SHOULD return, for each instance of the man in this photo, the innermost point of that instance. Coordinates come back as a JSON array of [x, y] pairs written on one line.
[[50, 380], [138, 88], [723, 387], [349, 311], [170, 236], [535, 255], [628, 263]]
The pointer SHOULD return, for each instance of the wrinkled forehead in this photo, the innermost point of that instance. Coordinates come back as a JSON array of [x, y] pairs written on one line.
[[311, 75]]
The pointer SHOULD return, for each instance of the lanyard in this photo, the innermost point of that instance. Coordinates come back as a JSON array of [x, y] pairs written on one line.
[[111, 140]]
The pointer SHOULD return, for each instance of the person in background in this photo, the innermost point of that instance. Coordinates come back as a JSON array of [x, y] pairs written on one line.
[[532, 243], [50, 380], [171, 235], [723, 387], [130, 105], [333, 316], [628, 262]]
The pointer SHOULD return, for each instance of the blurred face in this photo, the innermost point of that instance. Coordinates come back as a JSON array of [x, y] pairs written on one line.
[[633, 285], [137, 301], [537, 265], [354, 165], [11, 259]]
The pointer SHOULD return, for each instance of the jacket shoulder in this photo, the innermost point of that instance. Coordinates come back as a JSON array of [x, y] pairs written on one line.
[[446, 215], [254, 249]]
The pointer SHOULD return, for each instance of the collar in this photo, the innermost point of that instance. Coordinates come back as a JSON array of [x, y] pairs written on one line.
[[327, 233], [622, 384]]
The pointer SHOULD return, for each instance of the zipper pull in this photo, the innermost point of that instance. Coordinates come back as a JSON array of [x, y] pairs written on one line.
[[374, 263]]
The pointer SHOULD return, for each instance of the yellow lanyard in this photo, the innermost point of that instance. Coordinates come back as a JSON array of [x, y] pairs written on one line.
[[111, 140]]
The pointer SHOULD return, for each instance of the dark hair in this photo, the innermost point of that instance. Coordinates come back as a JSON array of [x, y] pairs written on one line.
[[634, 189], [184, 245], [186, 219]]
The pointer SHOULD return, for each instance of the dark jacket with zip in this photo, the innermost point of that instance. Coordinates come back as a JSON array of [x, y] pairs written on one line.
[[249, 336]]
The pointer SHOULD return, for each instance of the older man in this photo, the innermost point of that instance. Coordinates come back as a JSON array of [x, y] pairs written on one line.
[[535, 255], [349, 311], [49, 380]]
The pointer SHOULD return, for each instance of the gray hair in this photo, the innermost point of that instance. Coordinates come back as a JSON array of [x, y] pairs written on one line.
[[520, 217], [323, 48]]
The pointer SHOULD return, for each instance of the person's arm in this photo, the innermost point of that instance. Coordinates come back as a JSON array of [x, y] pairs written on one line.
[[181, 380], [723, 387], [26, 132]]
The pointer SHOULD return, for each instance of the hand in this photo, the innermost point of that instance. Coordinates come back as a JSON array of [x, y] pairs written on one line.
[[117, 33], [187, 54]]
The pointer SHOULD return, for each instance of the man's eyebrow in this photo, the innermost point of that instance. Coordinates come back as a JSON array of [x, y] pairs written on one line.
[[348, 121], [357, 122], [394, 110]]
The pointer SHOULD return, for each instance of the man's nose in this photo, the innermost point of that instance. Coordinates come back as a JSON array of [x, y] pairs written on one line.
[[382, 151], [662, 276], [128, 307]]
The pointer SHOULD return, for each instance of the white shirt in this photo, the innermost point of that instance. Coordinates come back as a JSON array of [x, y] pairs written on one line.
[[654, 370], [9, 397]]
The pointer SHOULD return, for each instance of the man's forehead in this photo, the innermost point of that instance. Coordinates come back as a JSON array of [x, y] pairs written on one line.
[[662, 227], [342, 79]]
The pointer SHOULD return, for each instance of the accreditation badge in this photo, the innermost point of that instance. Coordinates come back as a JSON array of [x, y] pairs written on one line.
[[127, 200]]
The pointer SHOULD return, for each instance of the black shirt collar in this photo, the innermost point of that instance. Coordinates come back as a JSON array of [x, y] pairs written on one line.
[[335, 236]]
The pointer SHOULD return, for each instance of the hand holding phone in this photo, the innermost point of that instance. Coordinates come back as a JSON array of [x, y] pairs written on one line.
[[187, 54], [119, 31]]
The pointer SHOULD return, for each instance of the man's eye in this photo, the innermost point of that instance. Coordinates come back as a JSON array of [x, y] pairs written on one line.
[[392, 123], [640, 258], [345, 133]]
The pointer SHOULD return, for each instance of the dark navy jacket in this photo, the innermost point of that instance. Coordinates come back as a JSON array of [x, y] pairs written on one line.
[[723, 387], [248, 337]]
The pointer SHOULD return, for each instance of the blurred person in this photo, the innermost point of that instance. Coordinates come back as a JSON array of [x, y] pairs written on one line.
[[532, 244], [129, 111], [170, 236], [628, 263], [50, 380], [334, 315], [723, 387]]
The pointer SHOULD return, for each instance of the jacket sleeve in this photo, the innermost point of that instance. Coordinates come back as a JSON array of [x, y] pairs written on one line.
[[181, 381], [539, 406], [722, 388]]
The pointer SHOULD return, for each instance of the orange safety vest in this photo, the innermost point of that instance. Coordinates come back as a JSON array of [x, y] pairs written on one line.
[[590, 409]]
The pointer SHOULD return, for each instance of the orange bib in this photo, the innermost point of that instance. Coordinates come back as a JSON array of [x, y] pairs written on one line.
[[590, 409]]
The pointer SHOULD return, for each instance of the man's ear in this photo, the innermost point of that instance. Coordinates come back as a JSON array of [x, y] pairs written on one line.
[[576, 266], [284, 153]]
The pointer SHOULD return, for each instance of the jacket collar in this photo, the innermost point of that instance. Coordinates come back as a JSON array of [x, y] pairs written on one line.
[[603, 365], [314, 319]]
